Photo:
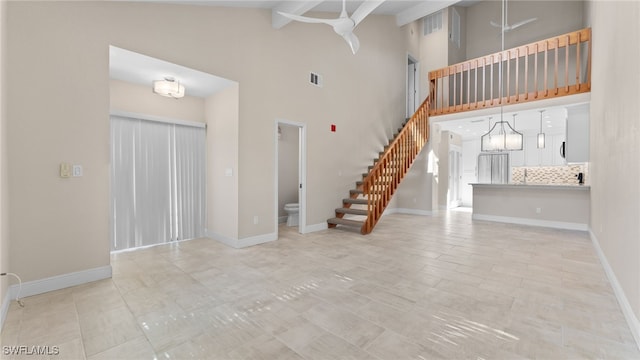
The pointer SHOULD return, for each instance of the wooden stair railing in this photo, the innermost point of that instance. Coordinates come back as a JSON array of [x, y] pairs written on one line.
[[383, 178], [554, 67]]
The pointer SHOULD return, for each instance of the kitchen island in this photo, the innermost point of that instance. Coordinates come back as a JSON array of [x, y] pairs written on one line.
[[561, 206]]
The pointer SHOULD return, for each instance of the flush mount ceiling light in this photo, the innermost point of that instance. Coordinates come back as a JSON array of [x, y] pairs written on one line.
[[168, 87], [541, 134], [501, 137]]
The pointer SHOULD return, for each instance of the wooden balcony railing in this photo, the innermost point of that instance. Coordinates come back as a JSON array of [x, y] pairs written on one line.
[[383, 180], [554, 67]]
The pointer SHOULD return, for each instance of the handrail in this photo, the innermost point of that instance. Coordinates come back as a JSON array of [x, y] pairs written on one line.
[[473, 84], [383, 180]]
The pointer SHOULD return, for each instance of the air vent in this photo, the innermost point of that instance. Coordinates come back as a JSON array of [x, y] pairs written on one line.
[[315, 79], [432, 23]]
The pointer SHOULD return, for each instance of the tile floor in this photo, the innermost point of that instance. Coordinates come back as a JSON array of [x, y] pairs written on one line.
[[416, 288]]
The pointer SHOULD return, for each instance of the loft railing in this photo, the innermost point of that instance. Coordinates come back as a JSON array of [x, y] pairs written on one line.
[[383, 180], [554, 67]]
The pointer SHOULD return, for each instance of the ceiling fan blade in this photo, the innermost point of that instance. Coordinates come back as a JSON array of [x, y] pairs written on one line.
[[311, 20], [494, 24], [353, 41], [517, 25], [365, 9]]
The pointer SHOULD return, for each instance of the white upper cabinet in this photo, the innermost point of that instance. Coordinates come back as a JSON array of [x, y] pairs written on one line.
[[577, 143]]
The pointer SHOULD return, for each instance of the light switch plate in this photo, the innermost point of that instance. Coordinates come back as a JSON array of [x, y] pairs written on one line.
[[77, 170]]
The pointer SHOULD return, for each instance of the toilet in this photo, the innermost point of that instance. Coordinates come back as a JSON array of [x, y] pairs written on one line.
[[292, 212]]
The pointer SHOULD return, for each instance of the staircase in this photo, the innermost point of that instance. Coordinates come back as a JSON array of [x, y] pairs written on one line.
[[366, 203]]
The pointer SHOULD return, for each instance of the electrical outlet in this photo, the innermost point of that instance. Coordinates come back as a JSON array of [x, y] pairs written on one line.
[[538, 210], [255, 220]]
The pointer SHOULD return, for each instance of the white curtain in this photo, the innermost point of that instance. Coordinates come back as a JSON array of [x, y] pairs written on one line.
[[157, 182], [190, 176]]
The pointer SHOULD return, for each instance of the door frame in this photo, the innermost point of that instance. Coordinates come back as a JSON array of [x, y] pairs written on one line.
[[416, 85], [457, 202], [302, 173]]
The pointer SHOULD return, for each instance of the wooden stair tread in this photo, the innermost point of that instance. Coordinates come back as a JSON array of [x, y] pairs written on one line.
[[347, 222], [386, 179], [355, 201], [351, 211]]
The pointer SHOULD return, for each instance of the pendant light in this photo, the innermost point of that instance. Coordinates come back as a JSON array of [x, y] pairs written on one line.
[[501, 137], [541, 134]]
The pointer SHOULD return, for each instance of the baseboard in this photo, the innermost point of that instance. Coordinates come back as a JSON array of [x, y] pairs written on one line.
[[316, 227], [406, 211], [245, 242], [532, 222], [58, 282], [629, 315], [5, 309], [53, 283]]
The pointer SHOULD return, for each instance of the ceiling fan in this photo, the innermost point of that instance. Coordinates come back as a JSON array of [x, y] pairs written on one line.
[[343, 25], [508, 27]]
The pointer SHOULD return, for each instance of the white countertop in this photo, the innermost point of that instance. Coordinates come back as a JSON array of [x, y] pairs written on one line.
[[535, 186]]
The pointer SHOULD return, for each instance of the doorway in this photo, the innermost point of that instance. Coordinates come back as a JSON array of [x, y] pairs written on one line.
[[455, 176], [158, 181], [290, 170], [412, 86]]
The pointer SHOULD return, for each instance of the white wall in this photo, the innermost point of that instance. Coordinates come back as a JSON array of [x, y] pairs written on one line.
[[222, 114], [615, 148], [140, 99], [470, 152], [53, 220], [288, 150]]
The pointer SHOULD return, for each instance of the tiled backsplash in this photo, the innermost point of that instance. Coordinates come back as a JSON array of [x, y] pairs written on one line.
[[550, 174]]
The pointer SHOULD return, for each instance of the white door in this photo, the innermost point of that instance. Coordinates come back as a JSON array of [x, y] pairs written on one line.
[[455, 175], [412, 87]]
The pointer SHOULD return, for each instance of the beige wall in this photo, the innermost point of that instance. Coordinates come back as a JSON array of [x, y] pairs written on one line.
[[222, 114], [457, 54], [53, 220], [4, 185], [140, 99], [554, 18], [416, 193], [615, 146]]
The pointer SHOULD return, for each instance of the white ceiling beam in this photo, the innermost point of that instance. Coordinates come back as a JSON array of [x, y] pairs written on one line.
[[292, 7], [421, 10]]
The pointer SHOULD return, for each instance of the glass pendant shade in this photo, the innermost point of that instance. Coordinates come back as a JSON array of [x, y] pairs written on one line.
[[168, 87], [541, 141], [501, 137], [541, 134]]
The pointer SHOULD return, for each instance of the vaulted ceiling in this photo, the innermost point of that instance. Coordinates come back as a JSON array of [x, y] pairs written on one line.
[[405, 11]]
